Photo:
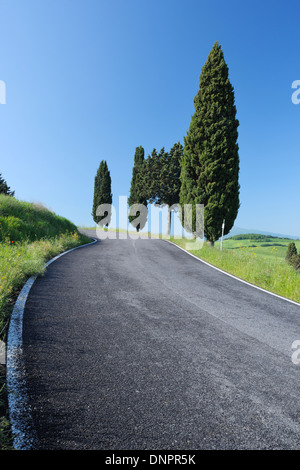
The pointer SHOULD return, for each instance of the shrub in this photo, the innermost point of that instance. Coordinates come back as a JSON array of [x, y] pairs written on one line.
[[291, 253], [272, 244], [296, 263]]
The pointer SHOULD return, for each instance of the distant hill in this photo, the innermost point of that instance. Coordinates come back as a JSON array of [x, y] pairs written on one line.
[[241, 231]]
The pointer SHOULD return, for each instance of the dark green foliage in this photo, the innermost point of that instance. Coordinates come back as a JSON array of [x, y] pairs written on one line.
[[271, 244], [137, 195], [254, 236], [296, 262], [102, 194], [4, 189], [258, 237], [210, 165], [167, 176], [159, 181], [151, 175], [291, 253]]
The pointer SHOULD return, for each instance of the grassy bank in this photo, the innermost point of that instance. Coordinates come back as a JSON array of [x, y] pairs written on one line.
[[258, 261], [30, 235]]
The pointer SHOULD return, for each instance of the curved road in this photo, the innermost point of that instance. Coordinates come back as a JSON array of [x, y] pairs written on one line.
[[134, 344]]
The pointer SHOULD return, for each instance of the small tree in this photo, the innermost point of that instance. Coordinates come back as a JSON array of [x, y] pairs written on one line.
[[4, 189], [102, 193], [291, 253], [296, 263]]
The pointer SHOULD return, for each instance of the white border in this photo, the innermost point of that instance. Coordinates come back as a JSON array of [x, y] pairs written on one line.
[[24, 436], [234, 277]]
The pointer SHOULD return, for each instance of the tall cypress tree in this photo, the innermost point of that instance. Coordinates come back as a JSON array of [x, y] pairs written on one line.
[[102, 192], [210, 164], [4, 188], [136, 195]]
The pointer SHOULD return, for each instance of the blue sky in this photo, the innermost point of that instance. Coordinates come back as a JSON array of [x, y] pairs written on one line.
[[91, 80]]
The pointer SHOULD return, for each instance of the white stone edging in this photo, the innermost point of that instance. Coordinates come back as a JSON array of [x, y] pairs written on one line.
[[24, 435]]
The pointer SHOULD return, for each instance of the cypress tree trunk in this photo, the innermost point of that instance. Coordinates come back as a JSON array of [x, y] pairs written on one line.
[[210, 164], [169, 219]]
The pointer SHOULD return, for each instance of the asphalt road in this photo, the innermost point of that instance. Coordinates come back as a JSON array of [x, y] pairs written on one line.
[[134, 344]]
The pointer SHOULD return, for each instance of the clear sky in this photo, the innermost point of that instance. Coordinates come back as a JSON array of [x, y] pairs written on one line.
[[88, 80]]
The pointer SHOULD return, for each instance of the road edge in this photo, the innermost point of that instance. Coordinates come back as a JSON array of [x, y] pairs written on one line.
[[24, 435], [233, 276]]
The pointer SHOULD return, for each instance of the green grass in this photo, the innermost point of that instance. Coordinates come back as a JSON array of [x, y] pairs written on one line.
[[30, 235], [263, 265], [266, 246], [23, 221]]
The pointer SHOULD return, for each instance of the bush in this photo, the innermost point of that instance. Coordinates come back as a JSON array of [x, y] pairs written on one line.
[[291, 253], [296, 263], [253, 236], [272, 244]]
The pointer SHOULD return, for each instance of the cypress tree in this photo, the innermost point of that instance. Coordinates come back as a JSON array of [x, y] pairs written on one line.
[[137, 195], [160, 178], [210, 164], [4, 188], [150, 176], [102, 192], [168, 179], [291, 253], [168, 174], [147, 180]]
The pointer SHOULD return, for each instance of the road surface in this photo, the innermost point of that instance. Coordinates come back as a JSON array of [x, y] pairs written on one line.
[[134, 344]]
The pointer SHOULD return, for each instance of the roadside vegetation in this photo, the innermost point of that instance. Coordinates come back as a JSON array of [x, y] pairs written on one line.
[[30, 235], [258, 259]]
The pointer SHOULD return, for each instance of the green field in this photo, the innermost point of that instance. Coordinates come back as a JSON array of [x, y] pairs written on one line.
[[265, 246], [259, 260]]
